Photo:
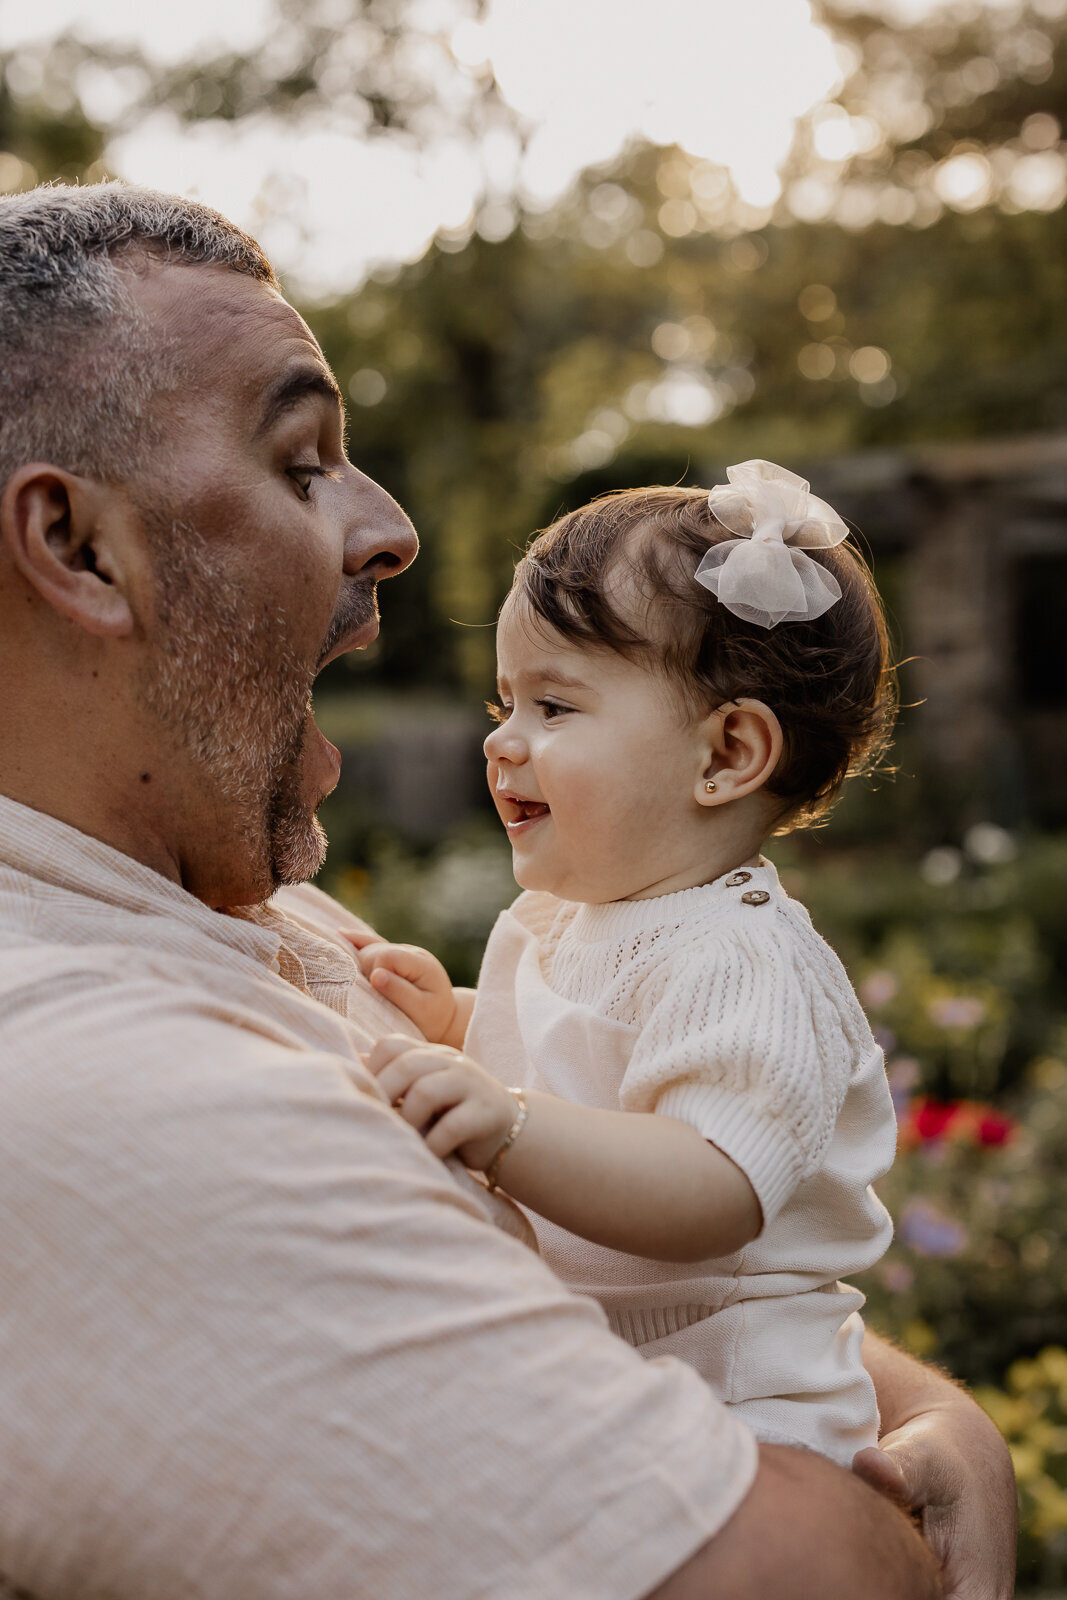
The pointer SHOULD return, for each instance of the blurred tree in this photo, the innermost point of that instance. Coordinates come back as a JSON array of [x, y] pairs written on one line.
[[965, 81], [364, 66], [495, 385], [910, 284], [44, 130], [370, 65]]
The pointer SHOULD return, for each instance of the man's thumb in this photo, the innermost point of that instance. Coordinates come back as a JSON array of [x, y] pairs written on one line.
[[883, 1473]]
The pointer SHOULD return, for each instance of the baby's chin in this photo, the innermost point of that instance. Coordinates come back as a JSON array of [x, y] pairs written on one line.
[[568, 885], [529, 876]]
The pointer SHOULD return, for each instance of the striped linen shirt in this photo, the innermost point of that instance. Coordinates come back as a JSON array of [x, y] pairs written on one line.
[[255, 1341]]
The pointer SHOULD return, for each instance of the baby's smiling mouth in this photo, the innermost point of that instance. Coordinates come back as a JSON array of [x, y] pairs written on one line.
[[516, 811]]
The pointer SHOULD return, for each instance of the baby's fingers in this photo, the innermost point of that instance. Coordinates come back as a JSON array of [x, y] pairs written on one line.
[[399, 1064], [388, 1048], [392, 986], [360, 938], [465, 1123], [405, 960], [424, 1096]]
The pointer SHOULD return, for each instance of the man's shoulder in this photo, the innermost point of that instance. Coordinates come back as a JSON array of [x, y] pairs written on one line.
[[39, 973], [141, 1004]]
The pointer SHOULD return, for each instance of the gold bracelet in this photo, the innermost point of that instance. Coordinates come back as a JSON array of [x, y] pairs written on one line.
[[512, 1134]]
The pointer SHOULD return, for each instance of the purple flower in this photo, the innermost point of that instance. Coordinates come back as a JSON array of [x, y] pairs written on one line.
[[929, 1232], [957, 1011], [903, 1075], [897, 1276], [878, 988]]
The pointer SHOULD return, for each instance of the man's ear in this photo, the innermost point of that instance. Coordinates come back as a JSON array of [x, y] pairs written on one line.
[[60, 531], [742, 746]]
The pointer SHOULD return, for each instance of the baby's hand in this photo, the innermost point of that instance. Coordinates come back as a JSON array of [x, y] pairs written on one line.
[[450, 1099], [413, 979]]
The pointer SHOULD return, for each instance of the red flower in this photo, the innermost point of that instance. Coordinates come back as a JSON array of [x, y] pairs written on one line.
[[964, 1121], [932, 1120], [994, 1128]]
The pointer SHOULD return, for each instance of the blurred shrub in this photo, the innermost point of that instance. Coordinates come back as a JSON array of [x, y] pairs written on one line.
[[1031, 1413], [964, 973], [446, 899], [961, 961], [975, 1275]]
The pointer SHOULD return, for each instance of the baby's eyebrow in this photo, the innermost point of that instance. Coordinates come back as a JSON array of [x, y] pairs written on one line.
[[563, 681], [550, 675], [541, 678]]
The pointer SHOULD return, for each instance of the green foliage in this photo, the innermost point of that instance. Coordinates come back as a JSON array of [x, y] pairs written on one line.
[[994, 936], [958, 78], [964, 981], [374, 66], [974, 1276], [44, 132], [1031, 1413], [446, 900], [507, 366], [377, 65]]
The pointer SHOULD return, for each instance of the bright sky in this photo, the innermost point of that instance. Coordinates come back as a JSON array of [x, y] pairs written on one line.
[[726, 80]]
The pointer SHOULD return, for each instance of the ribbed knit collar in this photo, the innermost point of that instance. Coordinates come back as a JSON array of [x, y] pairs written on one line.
[[619, 918]]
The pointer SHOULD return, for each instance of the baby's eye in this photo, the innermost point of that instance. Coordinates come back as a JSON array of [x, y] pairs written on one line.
[[498, 712], [552, 708], [302, 476]]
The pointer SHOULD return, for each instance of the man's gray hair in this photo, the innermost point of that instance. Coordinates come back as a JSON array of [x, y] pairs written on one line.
[[79, 366]]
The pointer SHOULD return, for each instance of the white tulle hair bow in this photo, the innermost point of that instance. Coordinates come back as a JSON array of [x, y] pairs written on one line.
[[763, 574]]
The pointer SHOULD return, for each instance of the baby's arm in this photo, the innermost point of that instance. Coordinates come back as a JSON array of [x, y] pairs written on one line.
[[417, 984], [633, 1181]]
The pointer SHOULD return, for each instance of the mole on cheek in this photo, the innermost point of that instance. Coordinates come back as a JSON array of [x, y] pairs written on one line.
[[146, 777]]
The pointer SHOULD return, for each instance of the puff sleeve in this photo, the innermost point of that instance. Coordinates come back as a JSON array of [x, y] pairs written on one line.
[[740, 1039]]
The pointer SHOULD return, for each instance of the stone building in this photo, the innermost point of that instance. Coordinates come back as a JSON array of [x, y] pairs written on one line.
[[970, 546]]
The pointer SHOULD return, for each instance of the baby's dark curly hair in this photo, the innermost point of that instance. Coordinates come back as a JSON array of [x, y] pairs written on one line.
[[618, 574]]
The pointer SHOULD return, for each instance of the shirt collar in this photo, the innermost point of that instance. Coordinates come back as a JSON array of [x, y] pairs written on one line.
[[63, 858]]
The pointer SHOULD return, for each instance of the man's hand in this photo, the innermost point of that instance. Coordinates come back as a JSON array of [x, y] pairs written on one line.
[[447, 1097], [945, 1460], [807, 1529], [412, 979]]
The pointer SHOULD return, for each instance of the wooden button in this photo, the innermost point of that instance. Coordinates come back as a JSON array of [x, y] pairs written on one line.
[[736, 879], [755, 897]]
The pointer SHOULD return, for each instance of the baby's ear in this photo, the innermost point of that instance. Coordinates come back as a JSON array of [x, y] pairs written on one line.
[[742, 747]]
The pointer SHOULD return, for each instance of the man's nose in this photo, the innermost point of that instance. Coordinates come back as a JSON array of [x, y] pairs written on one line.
[[380, 541]]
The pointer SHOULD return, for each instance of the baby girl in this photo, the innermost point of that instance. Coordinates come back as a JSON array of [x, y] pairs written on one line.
[[664, 1062]]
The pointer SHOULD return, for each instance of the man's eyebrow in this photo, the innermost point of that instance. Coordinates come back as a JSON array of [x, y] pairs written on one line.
[[291, 388]]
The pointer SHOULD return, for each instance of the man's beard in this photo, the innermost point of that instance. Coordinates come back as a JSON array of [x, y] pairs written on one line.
[[228, 682]]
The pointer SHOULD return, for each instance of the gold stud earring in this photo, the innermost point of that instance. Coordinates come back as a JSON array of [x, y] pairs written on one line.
[[710, 786]]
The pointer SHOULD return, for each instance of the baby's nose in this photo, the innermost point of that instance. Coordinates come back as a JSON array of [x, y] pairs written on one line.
[[502, 745]]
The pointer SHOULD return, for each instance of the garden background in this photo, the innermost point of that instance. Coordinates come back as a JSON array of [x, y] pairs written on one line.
[[888, 314]]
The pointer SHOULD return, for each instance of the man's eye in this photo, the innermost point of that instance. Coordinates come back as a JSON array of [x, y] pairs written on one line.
[[498, 712], [302, 477]]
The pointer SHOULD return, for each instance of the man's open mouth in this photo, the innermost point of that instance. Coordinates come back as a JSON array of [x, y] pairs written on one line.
[[354, 625]]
